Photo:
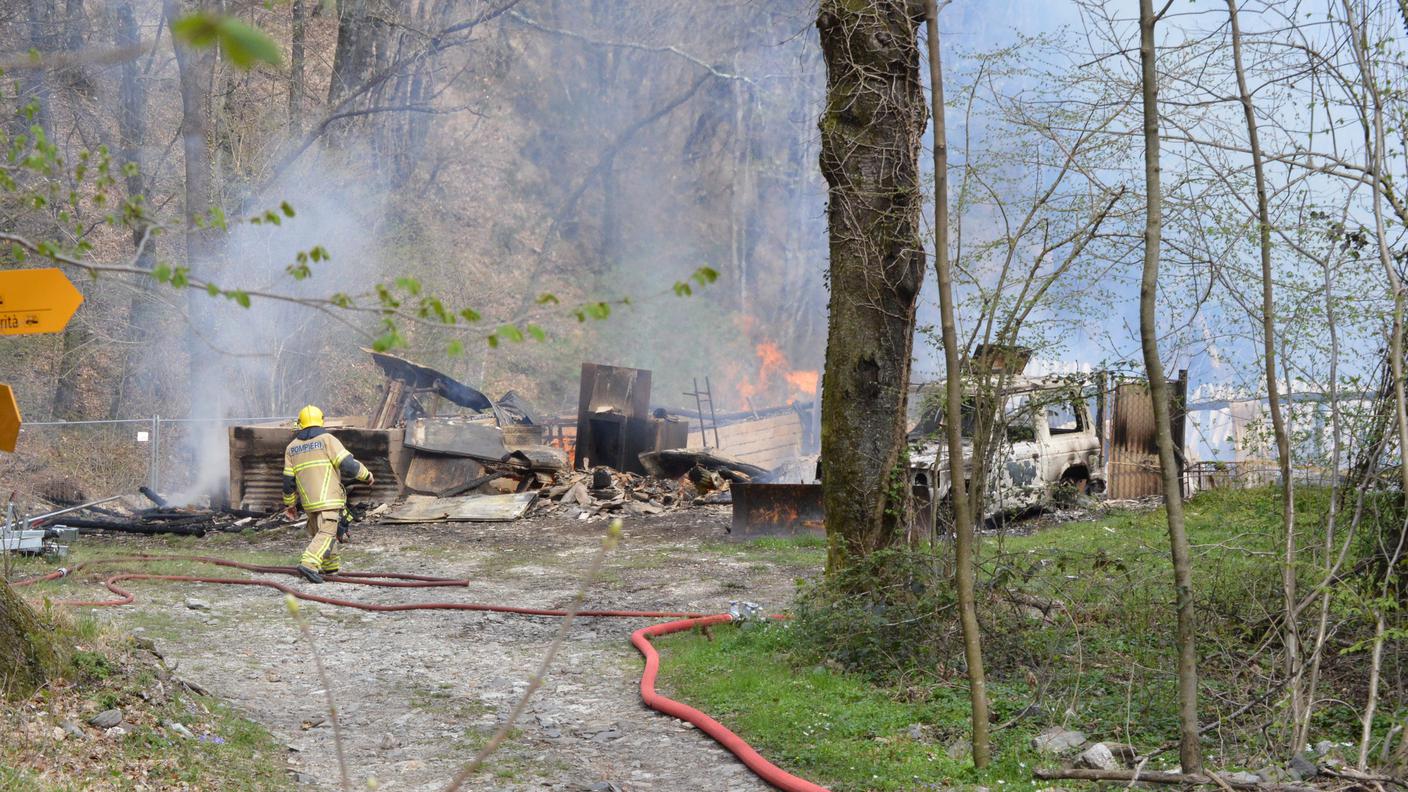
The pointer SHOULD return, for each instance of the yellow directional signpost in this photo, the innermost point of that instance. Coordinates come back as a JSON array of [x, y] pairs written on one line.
[[9, 419], [36, 301], [31, 301]]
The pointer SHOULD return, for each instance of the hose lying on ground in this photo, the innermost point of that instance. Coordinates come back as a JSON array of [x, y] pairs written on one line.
[[640, 638]]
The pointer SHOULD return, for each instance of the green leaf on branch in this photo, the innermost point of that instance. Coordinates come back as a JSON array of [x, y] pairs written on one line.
[[242, 44], [547, 299], [239, 297], [705, 275], [536, 332], [510, 332], [455, 348], [469, 315], [287, 209]]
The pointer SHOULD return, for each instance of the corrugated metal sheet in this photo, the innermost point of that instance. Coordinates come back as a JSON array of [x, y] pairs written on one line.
[[257, 463], [1134, 454], [1134, 451]]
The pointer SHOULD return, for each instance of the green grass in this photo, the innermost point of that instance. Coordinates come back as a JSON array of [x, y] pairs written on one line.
[[799, 551], [830, 727], [1102, 661]]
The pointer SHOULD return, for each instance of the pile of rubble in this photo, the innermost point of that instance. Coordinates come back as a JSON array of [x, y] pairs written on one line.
[[585, 495]]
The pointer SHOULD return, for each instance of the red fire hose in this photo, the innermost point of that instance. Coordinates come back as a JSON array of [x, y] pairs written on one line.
[[765, 770], [640, 638]]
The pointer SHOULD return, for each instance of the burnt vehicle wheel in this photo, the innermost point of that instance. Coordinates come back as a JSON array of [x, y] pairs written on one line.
[[1075, 484]]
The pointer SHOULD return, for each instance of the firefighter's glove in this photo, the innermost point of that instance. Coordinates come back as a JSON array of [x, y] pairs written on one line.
[[344, 526]]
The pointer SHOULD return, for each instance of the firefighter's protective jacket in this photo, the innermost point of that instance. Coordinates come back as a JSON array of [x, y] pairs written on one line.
[[312, 464]]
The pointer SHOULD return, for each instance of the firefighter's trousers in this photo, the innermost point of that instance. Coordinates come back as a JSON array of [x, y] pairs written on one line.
[[321, 553]]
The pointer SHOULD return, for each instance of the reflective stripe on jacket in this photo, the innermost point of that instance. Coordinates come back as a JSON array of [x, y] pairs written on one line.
[[312, 464]]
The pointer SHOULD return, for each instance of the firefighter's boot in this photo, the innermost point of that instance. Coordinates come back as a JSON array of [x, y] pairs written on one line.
[[310, 574]]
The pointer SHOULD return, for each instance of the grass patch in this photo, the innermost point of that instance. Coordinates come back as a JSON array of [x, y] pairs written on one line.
[[831, 695], [831, 727], [797, 551]]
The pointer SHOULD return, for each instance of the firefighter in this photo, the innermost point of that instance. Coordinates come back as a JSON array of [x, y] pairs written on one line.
[[314, 464]]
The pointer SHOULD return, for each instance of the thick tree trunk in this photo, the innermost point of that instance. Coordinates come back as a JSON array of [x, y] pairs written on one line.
[[1290, 632], [352, 57], [29, 653], [1189, 752], [953, 428], [870, 134]]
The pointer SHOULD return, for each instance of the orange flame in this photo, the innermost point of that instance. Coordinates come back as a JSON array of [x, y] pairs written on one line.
[[775, 377], [804, 381]]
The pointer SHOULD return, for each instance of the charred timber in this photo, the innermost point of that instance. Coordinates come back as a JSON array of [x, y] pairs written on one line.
[[153, 497], [179, 529]]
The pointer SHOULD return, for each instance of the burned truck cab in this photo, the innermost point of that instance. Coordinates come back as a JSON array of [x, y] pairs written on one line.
[[1042, 442]]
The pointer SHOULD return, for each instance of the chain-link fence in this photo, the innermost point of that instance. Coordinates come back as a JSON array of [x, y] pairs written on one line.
[[71, 460]]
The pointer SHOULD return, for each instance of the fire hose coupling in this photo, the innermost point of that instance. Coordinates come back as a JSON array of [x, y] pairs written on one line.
[[63, 572], [744, 611]]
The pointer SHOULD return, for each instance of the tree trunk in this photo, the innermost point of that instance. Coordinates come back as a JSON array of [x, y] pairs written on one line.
[[953, 426], [132, 133], [1290, 633], [196, 70], [1189, 752], [29, 654], [353, 55], [295, 72], [870, 135], [35, 81]]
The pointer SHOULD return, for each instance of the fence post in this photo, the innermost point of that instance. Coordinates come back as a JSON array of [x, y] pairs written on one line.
[[154, 468]]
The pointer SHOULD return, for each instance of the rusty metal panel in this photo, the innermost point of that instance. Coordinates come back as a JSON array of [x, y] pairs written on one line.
[[776, 510], [435, 473], [1134, 449], [478, 440]]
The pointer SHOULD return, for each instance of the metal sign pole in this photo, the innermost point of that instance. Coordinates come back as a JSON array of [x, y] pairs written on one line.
[[151, 460]]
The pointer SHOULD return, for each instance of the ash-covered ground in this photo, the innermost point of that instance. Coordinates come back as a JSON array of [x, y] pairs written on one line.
[[418, 692]]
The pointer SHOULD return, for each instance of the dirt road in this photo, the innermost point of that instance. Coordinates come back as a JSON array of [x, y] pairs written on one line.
[[418, 692]]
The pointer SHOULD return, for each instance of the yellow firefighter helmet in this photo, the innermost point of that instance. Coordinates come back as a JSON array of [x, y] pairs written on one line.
[[310, 416]]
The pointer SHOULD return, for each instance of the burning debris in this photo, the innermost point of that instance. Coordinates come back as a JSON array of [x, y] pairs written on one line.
[[442, 450]]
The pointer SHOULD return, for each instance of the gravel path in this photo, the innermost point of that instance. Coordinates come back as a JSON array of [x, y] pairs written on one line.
[[419, 692]]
